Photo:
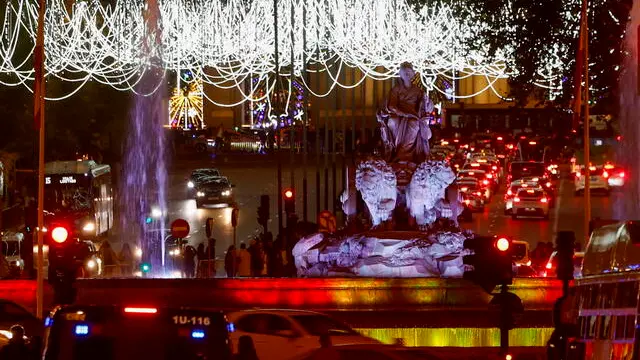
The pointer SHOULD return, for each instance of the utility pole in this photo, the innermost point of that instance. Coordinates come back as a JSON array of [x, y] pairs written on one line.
[[587, 139], [38, 114]]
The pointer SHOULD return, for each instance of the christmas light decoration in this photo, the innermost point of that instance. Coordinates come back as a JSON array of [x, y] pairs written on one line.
[[186, 106], [226, 43]]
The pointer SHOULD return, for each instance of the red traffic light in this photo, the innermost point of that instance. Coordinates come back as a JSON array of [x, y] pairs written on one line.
[[59, 234], [503, 244], [288, 194]]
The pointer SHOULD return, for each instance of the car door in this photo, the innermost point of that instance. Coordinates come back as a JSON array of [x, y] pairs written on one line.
[[286, 341]]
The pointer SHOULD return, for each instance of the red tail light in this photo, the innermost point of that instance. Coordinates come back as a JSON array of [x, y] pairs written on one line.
[[509, 192], [494, 167], [605, 174], [485, 182], [622, 174], [140, 310], [499, 138], [489, 176], [516, 199], [548, 184], [543, 200]]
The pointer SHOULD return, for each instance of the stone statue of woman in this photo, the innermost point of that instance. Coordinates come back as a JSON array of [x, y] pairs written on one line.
[[407, 109]]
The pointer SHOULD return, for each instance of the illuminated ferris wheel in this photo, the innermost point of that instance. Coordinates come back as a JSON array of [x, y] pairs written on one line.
[[186, 105]]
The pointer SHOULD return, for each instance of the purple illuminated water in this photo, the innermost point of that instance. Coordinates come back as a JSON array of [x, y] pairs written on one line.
[[628, 206], [143, 196]]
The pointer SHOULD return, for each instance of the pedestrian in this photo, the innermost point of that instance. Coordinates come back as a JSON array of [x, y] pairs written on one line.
[[210, 256], [109, 258], [126, 260], [244, 261], [257, 261], [230, 261], [246, 349], [200, 252], [189, 262], [17, 348]]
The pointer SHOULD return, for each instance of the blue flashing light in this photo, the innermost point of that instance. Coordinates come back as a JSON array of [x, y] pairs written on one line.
[[197, 334], [82, 330], [231, 327], [48, 321]]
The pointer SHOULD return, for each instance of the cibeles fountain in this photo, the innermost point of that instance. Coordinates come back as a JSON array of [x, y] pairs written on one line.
[[411, 202]]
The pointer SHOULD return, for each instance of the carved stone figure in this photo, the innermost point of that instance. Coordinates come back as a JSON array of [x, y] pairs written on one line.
[[450, 207], [404, 125], [426, 188], [376, 181]]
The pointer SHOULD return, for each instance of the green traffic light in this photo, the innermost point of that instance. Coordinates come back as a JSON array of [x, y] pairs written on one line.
[[148, 220], [145, 267]]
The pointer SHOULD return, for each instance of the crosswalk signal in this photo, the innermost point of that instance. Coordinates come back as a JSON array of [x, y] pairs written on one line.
[[289, 201]]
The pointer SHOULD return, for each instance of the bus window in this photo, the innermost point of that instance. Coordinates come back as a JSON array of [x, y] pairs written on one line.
[[620, 326], [592, 327], [631, 327], [605, 328], [582, 325], [606, 294]]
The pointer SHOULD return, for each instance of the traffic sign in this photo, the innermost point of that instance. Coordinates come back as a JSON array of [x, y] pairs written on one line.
[[180, 228], [234, 217]]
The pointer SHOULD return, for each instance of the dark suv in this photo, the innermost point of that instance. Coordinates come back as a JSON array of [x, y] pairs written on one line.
[[133, 333]]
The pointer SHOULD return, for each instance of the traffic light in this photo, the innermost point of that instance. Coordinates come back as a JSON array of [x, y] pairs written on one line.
[[63, 266], [145, 267], [289, 201], [491, 260], [565, 245], [263, 212]]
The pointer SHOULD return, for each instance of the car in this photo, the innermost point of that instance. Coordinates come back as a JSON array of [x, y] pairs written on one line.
[[552, 264], [598, 181], [214, 191], [199, 175], [135, 332], [523, 169], [490, 171], [521, 253], [88, 257], [617, 176], [285, 334], [530, 202], [472, 195], [476, 184], [14, 314], [372, 352]]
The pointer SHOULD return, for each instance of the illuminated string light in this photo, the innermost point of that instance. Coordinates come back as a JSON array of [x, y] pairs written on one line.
[[224, 44]]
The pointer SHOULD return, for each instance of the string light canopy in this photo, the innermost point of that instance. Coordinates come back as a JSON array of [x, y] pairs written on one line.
[[225, 43]]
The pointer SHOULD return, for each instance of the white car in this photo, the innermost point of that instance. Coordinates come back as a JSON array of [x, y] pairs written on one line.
[[530, 202], [598, 181], [286, 334]]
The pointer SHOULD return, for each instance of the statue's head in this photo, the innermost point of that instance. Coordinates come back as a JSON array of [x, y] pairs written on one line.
[[407, 73]]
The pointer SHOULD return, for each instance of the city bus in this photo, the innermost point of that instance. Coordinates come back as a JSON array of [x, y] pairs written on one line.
[[606, 296], [79, 197]]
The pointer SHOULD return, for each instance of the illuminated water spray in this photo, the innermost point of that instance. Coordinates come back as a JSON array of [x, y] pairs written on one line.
[[144, 175], [628, 206]]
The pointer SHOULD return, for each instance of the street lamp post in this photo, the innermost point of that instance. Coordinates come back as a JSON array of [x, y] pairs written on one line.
[[38, 114], [586, 140]]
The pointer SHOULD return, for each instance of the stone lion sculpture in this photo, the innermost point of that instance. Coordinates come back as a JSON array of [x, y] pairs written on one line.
[[377, 184], [426, 189]]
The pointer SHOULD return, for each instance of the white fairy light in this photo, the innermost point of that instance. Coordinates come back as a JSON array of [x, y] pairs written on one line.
[[226, 44]]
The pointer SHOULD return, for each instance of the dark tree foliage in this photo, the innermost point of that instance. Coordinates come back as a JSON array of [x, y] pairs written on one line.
[[532, 29]]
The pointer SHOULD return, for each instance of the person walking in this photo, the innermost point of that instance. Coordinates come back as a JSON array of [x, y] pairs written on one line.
[[257, 261], [230, 262], [246, 349], [189, 262], [126, 260], [109, 258], [244, 261]]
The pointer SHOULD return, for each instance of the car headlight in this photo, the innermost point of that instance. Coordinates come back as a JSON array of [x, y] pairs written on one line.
[[190, 184], [200, 194], [138, 253], [91, 264], [226, 193], [90, 226], [6, 334]]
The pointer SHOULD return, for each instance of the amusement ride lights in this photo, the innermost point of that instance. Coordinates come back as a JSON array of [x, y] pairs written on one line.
[[226, 44]]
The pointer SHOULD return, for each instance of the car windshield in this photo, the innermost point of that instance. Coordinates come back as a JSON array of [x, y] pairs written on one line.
[[320, 325], [221, 182], [205, 173], [520, 170], [115, 335]]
